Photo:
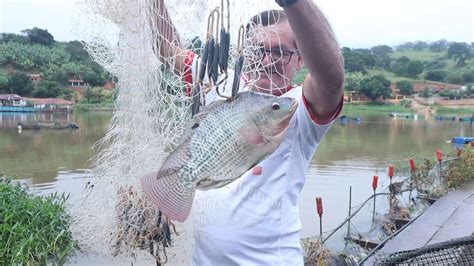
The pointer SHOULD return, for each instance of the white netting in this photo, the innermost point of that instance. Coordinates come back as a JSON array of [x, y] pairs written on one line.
[[131, 39]]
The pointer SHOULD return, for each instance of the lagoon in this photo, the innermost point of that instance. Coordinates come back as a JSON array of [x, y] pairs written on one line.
[[350, 154]]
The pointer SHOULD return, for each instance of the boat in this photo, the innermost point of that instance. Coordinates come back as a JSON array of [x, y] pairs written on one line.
[[462, 140], [46, 125]]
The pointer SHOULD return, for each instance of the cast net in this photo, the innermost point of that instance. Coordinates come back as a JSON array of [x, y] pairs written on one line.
[[144, 46]]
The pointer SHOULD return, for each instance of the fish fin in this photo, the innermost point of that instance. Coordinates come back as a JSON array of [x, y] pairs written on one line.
[[252, 136], [169, 193], [206, 184]]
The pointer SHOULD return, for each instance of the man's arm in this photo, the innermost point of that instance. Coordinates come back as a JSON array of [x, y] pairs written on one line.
[[323, 87], [167, 39]]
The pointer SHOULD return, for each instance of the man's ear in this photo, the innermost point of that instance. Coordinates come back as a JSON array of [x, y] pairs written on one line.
[[300, 63]]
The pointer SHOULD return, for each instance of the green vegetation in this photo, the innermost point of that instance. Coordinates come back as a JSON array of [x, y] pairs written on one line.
[[440, 110], [33, 230], [440, 61], [36, 52], [372, 108]]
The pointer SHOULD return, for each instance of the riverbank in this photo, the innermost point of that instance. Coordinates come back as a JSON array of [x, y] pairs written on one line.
[[351, 109], [85, 107]]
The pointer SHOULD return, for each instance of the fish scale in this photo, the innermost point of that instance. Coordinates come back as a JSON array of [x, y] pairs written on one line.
[[222, 142]]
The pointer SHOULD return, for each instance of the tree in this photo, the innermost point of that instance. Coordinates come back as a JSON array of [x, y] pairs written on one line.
[[406, 68], [94, 78], [438, 46], [353, 62], [12, 37], [89, 94], [468, 77], [77, 51], [436, 75], [419, 46], [375, 87], [460, 52], [426, 93], [367, 56], [455, 78], [381, 50], [352, 81], [39, 36], [405, 87], [3, 81], [48, 89], [20, 83]]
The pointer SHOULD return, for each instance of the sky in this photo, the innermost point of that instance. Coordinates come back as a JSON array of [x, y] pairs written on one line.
[[357, 23]]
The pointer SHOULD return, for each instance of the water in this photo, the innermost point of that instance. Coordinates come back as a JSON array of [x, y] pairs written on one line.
[[349, 155]]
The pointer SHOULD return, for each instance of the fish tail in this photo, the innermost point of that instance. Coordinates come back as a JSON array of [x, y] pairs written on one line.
[[170, 194]]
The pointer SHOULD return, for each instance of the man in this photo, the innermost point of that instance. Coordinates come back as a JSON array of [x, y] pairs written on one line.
[[255, 219]]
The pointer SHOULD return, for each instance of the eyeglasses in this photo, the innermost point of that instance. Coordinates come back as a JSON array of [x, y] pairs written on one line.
[[281, 56]]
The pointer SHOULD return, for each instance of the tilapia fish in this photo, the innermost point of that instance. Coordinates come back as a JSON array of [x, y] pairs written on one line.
[[220, 144]]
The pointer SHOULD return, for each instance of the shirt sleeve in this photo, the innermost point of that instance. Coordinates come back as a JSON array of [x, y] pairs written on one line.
[[311, 129]]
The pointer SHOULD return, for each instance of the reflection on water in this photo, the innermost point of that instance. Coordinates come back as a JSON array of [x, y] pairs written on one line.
[[350, 155], [40, 156]]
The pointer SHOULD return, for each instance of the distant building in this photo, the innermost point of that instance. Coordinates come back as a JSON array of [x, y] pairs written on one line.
[[77, 83], [51, 104], [12, 100], [36, 77]]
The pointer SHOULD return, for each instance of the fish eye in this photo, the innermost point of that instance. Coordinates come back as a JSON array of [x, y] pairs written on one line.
[[275, 106], [195, 126]]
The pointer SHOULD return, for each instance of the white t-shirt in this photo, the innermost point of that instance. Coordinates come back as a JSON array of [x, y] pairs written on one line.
[[255, 219]]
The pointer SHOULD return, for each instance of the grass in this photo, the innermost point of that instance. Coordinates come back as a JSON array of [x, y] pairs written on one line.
[[86, 107], [373, 109], [423, 56], [441, 110], [33, 230]]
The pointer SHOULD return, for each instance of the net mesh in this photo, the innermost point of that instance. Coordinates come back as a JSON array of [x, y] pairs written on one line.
[[454, 252], [140, 43]]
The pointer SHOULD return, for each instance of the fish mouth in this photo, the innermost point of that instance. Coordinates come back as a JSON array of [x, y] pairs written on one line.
[[284, 123]]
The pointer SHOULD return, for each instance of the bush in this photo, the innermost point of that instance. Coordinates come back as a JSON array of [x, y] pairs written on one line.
[[48, 89], [455, 78], [33, 230], [468, 77], [436, 75], [405, 87]]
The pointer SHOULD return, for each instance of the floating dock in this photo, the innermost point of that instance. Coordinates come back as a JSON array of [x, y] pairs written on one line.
[[450, 217]]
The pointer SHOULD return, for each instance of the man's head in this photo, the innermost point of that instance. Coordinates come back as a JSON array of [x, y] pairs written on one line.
[[273, 57]]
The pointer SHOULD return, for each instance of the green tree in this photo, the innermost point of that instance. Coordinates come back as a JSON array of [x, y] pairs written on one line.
[[405, 87], [353, 80], [48, 89], [436, 75], [89, 94], [3, 81], [420, 46], [353, 62], [77, 51], [455, 78], [94, 78], [460, 52], [375, 87], [12, 37], [381, 50], [39, 36], [426, 93], [438, 46], [20, 83], [468, 77]]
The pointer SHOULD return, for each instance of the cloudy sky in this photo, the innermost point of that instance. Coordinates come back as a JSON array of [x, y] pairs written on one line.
[[357, 23]]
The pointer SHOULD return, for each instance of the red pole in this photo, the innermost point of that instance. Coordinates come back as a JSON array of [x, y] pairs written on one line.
[[439, 156], [374, 187], [319, 209], [413, 169], [391, 171]]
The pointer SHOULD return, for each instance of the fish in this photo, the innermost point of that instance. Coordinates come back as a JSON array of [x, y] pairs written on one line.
[[220, 143]]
